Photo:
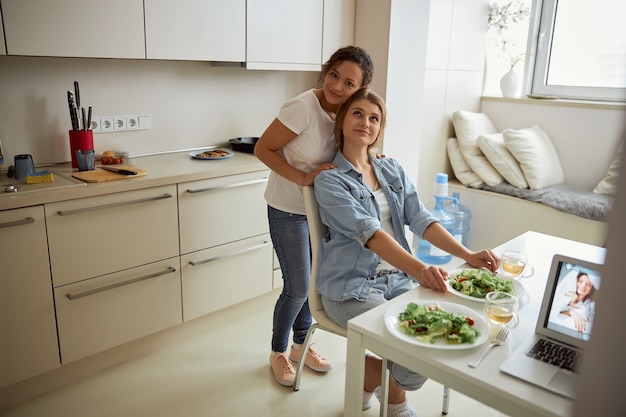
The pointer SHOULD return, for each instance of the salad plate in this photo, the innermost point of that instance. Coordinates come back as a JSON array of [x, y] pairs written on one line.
[[518, 288], [392, 323], [211, 154]]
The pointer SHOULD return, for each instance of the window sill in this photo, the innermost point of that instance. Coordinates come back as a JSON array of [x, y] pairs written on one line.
[[610, 105]]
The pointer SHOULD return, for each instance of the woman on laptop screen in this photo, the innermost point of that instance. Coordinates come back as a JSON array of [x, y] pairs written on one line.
[[575, 302]]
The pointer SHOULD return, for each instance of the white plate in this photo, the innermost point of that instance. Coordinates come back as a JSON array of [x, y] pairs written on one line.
[[196, 153], [518, 289], [392, 322]]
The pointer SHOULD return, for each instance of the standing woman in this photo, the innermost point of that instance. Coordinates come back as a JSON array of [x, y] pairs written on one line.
[[296, 146]]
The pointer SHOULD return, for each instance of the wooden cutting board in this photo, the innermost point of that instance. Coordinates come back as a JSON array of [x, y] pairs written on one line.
[[101, 175]]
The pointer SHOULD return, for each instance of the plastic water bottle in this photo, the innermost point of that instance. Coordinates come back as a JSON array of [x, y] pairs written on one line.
[[462, 215], [425, 251]]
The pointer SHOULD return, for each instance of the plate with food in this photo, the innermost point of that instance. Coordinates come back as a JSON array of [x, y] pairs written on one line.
[[475, 283], [436, 324], [215, 153]]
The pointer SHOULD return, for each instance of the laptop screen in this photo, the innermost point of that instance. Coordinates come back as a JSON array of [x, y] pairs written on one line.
[[569, 304]]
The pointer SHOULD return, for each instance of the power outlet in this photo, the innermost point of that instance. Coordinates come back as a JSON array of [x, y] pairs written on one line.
[[132, 122], [106, 124], [95, 125], [119, 123]]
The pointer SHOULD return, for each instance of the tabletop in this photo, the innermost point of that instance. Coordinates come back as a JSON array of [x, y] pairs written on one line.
[[449, 367]]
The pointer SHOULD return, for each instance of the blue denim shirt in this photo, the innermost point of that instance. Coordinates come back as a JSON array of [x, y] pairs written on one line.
[[347, 268]]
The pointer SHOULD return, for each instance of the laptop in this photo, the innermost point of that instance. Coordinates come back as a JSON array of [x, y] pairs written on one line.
[[551, 358]]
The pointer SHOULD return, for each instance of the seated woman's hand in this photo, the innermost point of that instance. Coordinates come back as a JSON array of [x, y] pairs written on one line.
[[433, 277], [484, 259]]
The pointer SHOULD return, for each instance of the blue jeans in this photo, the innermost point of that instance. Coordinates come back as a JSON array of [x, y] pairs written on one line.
[[290, 236], [386, 287]]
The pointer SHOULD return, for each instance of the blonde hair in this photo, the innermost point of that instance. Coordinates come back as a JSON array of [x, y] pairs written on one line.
[[362, 94]]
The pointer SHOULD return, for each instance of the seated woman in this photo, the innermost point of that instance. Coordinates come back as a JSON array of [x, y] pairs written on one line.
[[365, 258]]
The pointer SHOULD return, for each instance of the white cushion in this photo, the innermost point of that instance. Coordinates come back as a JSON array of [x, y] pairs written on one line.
[[496, 152], [468, 126], [533, 149], [462, 171], [608, 184]]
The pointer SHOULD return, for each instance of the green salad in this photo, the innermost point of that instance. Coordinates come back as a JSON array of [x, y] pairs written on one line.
[[428, 323], [478, 282]]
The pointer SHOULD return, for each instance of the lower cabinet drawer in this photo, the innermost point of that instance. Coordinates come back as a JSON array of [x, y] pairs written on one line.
[[99, 313], [225, 275]]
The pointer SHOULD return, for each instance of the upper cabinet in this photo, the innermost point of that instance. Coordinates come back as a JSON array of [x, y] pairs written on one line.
[[199, 30], [265, 34], [74, 28], [284, 34]]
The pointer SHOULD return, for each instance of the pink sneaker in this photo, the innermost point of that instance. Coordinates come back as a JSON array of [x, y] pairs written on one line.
[[313, 360], [283, 370]]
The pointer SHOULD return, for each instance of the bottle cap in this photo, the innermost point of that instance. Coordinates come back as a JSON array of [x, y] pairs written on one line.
[[441, 185]]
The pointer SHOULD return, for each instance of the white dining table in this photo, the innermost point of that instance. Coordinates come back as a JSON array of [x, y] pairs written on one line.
[[485, 383]]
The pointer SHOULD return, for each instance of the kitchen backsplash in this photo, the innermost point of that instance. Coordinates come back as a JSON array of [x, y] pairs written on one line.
[[192, 104]]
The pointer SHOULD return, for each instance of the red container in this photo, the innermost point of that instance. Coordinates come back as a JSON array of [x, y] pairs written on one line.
[[80, 140]]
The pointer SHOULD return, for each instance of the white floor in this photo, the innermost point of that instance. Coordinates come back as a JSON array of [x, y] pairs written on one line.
[[223, 370]]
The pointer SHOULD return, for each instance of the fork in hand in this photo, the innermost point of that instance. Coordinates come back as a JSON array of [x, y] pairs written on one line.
[[500, 338]]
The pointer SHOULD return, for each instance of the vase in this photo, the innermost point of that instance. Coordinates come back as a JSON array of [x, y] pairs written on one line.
[[509, 83]]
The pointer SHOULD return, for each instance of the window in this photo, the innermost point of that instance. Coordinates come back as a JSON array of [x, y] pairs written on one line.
[[580, 51]]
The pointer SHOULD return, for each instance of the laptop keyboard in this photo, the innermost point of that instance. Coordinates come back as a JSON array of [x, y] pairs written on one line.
[[555, 354]]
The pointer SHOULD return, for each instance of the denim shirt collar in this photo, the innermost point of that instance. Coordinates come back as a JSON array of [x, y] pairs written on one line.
[[346, 167]]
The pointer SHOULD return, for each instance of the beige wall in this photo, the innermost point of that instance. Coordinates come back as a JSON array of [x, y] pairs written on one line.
[[193, 104]]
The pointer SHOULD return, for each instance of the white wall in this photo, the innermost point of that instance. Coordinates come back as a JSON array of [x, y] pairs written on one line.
[[601, 387], [192, 104], [397, 44], [453, 80]]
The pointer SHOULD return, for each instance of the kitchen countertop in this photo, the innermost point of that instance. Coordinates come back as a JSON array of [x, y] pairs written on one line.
[[161, 169]]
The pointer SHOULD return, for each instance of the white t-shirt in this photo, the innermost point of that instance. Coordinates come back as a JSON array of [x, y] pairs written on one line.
[[385, 220], [314, 146]]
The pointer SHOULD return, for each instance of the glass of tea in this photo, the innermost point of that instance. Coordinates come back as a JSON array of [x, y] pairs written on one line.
[[501, 308], [514, 264]]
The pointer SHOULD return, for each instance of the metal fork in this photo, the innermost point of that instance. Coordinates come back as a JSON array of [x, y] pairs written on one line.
[[500, 338]]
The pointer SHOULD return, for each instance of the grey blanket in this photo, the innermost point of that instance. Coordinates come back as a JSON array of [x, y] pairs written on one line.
[[564, 198]]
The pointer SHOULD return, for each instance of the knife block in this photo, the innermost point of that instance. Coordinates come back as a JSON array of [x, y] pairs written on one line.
[[80, 140]]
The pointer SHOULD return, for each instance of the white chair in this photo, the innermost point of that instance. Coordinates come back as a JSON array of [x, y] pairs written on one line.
[[321, 321]]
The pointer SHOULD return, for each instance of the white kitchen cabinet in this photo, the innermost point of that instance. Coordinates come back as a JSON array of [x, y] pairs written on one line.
[[103, 312], [28, 338], [93, 236], [201, 30], [74, 28], [225, 275], [284, 34], [226, 251], [222, 210]]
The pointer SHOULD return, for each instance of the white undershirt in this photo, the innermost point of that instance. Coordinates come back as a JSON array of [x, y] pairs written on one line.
[[385, 220]]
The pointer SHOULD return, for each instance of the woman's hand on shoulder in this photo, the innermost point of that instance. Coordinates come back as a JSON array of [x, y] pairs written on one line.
[[309, 178]]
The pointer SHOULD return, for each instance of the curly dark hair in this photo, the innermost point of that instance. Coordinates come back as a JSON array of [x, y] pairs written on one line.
[[355, 54]]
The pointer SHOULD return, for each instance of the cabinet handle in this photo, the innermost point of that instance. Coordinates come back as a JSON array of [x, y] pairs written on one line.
[[113, 205], [221, 187], [17, 222], [71, 296], [233, 253]]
